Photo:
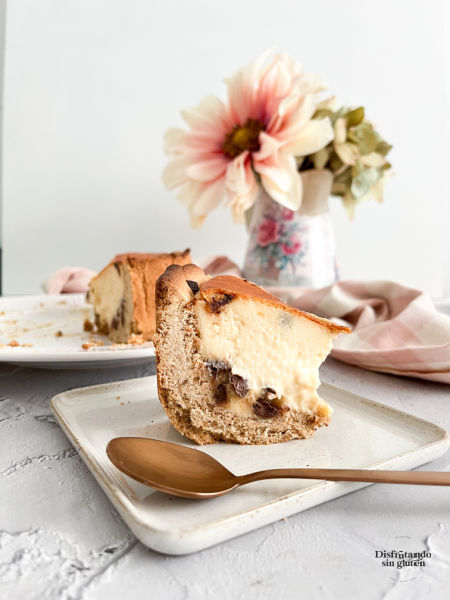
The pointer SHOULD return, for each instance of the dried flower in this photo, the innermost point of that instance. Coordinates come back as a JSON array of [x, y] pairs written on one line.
[[232, 148], [356, 156]]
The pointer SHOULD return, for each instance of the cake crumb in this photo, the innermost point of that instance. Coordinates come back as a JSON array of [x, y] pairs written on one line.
[[136, 339], [16, 344], [59, 333], [2, 314], [122, 404], [92, 344], [117, 397], [88, 325]]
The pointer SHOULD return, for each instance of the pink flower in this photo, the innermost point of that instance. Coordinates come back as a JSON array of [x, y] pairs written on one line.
[[294, 246], [268, 232], [287, 214], [266, 122]]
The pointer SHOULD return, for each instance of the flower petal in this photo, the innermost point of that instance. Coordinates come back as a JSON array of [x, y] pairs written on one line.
[[241, 186], [174, 173], [178, 141], [174, 140], [268, 145], [243, 89], [347, 152], [314, 136], [281, 180], [201, 198], [373, 159], [293, 122], [340, 130], [208, 169], [209, 113]]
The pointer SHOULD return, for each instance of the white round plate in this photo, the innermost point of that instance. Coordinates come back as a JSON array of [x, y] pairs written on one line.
[[34, 321]]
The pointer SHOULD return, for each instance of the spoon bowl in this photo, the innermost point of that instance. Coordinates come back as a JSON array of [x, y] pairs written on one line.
[[189, 473], [171, 468]]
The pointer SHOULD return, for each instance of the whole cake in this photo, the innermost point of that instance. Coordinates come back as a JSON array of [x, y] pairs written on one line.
[[234, 363], [123, 294]]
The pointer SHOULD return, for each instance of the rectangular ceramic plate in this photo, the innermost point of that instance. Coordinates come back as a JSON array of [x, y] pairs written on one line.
[[362, 434], [33, 322]]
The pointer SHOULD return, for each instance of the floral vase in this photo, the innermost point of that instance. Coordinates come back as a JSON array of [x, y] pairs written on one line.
[[293, 248]]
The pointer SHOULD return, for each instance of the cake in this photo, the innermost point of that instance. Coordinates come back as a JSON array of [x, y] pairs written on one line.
[[236, 364], [123, 294]]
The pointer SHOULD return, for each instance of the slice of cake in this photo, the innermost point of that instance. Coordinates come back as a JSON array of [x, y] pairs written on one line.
[[234, 363], [123, 294]]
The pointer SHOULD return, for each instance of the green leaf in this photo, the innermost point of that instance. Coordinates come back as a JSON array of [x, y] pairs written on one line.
[[322, 113], [335, 162], [338, 114], [355, 116], [350, 202], [357, 168], [344, 177], [339, 189], [320, 158], [365, 137], [347, 152], [362, 183], [383, 148]]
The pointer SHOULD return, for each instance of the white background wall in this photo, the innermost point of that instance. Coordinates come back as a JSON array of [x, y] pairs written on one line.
[[91, 85]]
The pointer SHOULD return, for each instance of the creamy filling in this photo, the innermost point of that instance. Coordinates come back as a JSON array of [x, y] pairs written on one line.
[[106, 294], [268, 347]]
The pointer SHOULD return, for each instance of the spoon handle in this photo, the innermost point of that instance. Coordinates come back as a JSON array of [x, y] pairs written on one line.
[[372, 476]]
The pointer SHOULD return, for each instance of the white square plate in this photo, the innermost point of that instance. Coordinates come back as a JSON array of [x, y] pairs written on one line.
[[33, 322], [362, 434]]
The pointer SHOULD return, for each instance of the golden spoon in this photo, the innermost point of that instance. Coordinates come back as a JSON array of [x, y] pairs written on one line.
[[183, 471]]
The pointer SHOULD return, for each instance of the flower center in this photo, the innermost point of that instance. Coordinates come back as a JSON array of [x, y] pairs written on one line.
[[243, 137]]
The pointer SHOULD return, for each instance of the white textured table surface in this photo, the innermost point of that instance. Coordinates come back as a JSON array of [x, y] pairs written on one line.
[[61, 539]]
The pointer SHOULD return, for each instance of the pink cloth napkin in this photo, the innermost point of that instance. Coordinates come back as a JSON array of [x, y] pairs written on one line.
[[395, 329], [68, 280]]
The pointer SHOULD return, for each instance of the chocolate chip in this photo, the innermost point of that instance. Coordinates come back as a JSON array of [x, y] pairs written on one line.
[[117, 267], [220, 395], [215, 366], [219, 300], [115, 323], [262, 408], [240, 385], [193, 285], [218, 365], [270, 390], [219, 370], [122, 312]]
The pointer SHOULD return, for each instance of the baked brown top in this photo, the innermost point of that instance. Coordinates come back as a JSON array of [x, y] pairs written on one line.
[[120, 258], [143, 257], [236, 287]]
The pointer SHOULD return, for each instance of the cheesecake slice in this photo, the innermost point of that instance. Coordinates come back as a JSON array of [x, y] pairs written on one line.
[[123, 294], [236, 364]]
